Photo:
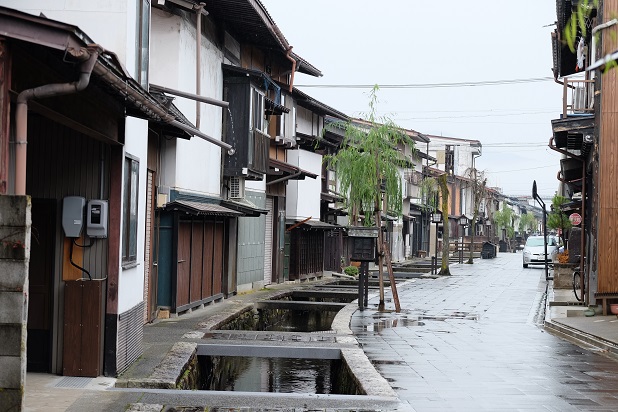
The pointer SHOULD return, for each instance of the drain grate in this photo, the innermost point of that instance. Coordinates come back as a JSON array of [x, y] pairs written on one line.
[[73, 382]]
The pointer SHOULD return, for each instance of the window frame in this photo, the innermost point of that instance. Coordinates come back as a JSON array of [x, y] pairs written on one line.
[[130, 204]]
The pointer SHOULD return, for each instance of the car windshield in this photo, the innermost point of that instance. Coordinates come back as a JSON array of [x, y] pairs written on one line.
[[535, 241], [538, 241]]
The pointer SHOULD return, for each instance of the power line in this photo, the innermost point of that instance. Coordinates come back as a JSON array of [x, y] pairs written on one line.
[[521, 170], [473, 116], [430, 85]]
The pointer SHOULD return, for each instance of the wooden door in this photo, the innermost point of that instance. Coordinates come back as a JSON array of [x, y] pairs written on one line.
[[183, 273], [41, 276]]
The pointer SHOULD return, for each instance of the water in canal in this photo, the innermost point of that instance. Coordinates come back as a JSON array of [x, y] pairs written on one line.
[[285, 375], [282, 320]]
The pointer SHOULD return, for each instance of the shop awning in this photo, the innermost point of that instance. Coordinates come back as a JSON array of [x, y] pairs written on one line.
[[244, 206], [201, 209], [312, 224]]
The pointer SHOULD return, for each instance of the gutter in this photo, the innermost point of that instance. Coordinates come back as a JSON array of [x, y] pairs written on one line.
[[290, 58], [89, 58]]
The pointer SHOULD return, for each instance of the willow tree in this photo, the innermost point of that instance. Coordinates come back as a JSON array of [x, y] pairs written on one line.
[[527, 222], [368, 169], [503, 219], [478, 186]]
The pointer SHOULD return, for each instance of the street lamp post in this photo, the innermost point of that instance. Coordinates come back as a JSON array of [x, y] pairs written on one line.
[[536, 196], [463, 221], [436, 217]]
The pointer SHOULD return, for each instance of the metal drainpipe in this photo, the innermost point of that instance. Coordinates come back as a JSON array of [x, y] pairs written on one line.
[[290, 58], [88, 57], [199, 8]]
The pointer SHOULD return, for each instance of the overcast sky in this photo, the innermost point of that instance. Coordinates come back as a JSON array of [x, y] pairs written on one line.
[[413, 42]]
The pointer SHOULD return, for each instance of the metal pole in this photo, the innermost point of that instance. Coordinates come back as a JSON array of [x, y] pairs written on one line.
[[545, 241], [536, 196], [366, 284], [436, 250], [362, 275]]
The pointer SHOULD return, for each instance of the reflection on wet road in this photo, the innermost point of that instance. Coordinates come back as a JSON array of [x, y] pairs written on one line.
[[472, 342]]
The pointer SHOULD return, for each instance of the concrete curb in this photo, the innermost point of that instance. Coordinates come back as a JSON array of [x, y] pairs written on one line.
[[582, 339]]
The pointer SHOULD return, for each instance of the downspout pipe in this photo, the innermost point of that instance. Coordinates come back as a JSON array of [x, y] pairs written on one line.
[[199, 9], [203, 99], [89, 57], [195, 132], [155, 109], [290, 58]]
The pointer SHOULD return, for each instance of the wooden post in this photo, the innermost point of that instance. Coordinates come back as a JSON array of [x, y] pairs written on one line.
[[391, 277]]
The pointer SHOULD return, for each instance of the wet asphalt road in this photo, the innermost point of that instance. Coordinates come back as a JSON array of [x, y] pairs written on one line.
[[474, 342]]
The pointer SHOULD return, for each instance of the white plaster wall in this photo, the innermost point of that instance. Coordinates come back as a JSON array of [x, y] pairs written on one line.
[[110, 23], [303, 196], [307, 122], [463, 160], [173, 53], [256, 185], [131, 281], [398, 246]]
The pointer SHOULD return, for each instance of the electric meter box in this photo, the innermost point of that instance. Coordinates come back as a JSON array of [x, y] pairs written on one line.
[[73, 215], [96, 219]]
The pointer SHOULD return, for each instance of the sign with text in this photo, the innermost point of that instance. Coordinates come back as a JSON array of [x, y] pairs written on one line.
[[575, 219]]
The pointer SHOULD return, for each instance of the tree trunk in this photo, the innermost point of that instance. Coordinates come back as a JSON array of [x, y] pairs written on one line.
[[444, 269], [473, 230]]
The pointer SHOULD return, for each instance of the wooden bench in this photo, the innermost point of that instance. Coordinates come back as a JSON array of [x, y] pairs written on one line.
[[604, 297]]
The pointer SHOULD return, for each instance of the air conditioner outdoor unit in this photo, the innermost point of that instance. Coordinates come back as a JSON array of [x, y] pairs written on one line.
[[579, 99], [237, 187]]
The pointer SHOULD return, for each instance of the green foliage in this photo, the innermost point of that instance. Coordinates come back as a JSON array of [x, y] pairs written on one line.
[[527, 222], [557, 219], [368, 162], [503, 219], [429, 194], [578, 21], [351, 270]]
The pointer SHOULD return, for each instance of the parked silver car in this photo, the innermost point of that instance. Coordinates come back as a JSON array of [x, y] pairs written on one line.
[[534, 250]]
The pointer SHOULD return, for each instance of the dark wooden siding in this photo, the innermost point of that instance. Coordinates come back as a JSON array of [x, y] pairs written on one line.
[[333, 250], [200, 266], [63, 162], [608, 168], [306, 254]]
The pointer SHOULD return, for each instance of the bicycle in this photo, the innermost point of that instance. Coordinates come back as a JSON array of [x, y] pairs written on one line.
[[579, 285]]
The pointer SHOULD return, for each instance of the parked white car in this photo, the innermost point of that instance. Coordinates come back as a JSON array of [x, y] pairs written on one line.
[[534, 250]]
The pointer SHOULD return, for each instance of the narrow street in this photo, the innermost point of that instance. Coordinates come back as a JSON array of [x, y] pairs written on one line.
[[474, 342]]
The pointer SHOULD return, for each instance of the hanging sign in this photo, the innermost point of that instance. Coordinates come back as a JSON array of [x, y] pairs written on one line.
[[575, 219]]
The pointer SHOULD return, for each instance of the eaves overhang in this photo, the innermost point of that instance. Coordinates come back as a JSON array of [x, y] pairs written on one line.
[[249, 21], [308, 102], [280, 168]]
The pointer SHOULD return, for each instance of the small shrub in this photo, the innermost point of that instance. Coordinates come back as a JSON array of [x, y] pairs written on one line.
[[351, 270]]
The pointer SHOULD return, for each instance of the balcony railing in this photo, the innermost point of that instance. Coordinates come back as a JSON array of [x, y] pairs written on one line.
[[581, 97]]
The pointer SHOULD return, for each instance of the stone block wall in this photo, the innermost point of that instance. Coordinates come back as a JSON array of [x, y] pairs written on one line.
[[15, 222]]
